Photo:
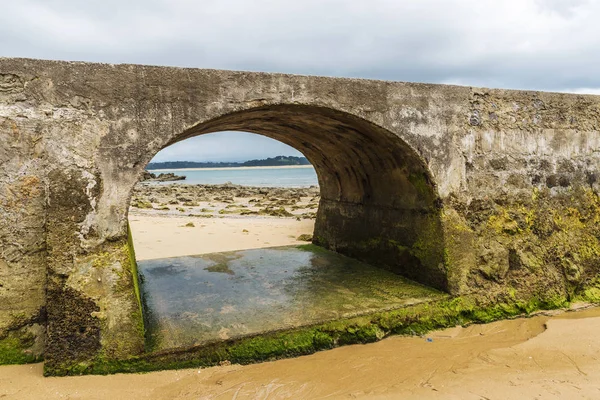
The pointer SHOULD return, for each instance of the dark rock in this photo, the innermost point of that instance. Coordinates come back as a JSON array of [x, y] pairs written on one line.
[[169, 176]]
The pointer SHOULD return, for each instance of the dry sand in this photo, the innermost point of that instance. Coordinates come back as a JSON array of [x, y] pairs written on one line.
[[532, 358], [161, 237]]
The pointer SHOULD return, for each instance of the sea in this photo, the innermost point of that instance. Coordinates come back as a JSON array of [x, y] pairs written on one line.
[[296, 176]]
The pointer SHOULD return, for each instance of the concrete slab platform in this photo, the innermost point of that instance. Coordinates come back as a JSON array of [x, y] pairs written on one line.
[[194, 300]]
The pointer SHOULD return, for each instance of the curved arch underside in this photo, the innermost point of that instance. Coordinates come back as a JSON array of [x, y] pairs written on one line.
[[378, 202]]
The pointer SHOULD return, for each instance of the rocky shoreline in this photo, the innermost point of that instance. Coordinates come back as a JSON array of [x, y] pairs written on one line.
[[226, 200], [163, 177]]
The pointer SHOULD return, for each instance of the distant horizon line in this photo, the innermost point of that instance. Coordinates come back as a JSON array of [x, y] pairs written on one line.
[[239, 160], [260, 162]]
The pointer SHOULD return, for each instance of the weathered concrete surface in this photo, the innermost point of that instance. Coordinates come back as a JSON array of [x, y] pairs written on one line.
[[490, 193]]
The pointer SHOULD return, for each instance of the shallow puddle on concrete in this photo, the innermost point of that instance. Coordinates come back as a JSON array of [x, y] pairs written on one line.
[[196, 299]]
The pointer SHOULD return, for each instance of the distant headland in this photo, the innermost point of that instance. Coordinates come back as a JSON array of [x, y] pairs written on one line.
[[267, 162]]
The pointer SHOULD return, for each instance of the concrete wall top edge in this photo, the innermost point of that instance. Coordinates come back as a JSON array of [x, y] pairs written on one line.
[[37, 63]]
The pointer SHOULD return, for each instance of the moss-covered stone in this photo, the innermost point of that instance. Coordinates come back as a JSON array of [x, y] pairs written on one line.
[[544, 240], [22, 341], [15, 349], [459, 254], [511, 259], [275, 212], [305, 238], [96, 313], [138, 314], [412, 320]]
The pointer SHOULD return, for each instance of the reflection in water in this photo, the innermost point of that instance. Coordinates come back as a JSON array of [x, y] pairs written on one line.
[[195, 299]]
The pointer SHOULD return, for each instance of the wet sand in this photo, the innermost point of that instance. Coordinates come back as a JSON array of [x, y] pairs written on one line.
[[516, 359]]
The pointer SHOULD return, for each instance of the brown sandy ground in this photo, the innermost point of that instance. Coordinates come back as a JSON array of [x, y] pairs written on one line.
[[515, 359]]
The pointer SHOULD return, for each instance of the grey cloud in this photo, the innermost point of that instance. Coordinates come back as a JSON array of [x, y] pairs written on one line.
[[537, 44], [522, 44]]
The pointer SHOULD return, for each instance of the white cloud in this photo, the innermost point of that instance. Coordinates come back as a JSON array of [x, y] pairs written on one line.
[[595, 91]]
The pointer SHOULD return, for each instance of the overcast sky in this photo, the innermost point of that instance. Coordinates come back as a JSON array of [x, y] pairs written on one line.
[[523, 44]]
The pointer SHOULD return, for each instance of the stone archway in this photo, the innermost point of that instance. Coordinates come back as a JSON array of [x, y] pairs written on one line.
[[378, 204], [400, 163]]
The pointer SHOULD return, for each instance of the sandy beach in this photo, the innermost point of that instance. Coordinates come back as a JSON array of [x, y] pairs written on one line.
[[549, 356], [529, 358], [179, 220], [161, 237]]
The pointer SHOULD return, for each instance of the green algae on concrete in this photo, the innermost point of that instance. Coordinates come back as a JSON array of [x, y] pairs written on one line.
[[110, 281], [138, 314], [409, 320], [544, 242], [15, 348], [22, 341], [412, 318], [194, 300]]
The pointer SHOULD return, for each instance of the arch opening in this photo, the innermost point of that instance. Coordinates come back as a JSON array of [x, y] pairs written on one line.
[[378, 201], [231, 190]]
